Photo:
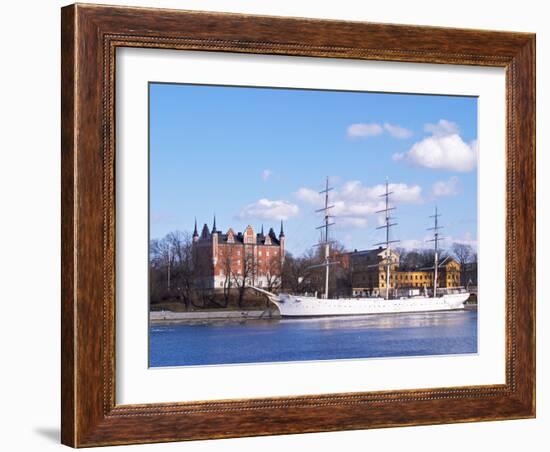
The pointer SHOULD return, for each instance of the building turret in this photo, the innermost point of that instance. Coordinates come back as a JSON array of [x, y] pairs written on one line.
[[260, 235], [195, 233], [214, 230], [205, 231]]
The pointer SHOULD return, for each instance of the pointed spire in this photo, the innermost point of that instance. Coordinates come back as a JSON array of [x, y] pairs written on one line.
[[282, 233], [262, 232], [195, 232], [214, 225]]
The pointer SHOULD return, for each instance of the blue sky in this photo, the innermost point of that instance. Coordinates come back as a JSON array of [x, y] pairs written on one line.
[[259, 155]]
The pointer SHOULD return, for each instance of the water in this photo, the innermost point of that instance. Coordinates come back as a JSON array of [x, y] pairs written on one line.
[[277, 340]]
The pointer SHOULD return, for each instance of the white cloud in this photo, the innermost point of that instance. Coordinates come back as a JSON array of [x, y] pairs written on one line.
[[354, 203], [364, 130], [448, 152], [444, 149], [442, 128], [397, 131], [356, 191], [265, 209], [446, 188], [266, 174], [309, 196]]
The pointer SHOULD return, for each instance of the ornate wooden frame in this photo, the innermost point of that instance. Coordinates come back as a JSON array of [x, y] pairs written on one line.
[[90, 35]]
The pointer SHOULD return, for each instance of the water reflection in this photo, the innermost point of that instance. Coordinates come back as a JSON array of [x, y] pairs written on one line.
[[391, 320]]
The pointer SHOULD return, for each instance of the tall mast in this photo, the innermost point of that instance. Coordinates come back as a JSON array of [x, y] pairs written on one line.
[[436, 240], [324, 242], [387, 225]]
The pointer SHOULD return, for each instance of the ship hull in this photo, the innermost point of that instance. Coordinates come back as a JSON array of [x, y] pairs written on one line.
[[297, 306]]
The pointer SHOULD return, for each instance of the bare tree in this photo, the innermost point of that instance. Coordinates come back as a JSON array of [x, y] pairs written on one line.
[[340, 277], [161, 261], [419, 259], [171, 268], [227, 265], [273, 273], [410, 260], [295, 275], [462, 252], [464, 255], [247, 276], [305, 274], [181, 266]]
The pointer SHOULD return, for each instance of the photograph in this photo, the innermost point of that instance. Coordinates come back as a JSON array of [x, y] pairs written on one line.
[[262, 226], [274, 223], [292, 224]]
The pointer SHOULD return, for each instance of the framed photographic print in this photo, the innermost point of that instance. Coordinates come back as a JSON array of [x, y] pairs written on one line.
[[281, 225]]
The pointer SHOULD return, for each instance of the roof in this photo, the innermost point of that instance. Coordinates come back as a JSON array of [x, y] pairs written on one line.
[[238, 238]]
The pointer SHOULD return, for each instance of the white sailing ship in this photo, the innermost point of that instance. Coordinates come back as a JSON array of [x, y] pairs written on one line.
[[310, 306]]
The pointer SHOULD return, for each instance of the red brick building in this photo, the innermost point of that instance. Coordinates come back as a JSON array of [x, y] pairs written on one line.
[[227, 260]]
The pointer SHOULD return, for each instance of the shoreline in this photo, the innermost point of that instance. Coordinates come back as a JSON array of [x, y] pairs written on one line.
[[163, 317], [174, 317]]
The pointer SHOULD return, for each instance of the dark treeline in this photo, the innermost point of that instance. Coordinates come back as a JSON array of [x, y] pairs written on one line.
[[175, 275], [464, 254], [301, 274], [172, 270], [419, 258]]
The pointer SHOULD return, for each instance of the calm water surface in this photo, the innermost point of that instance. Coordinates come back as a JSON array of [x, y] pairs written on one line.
[[275, 340]]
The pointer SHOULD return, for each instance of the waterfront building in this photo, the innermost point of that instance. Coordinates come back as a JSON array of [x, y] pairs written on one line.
[[368, 274], [228, 260]]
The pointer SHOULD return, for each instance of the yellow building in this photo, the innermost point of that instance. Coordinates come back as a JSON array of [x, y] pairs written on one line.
[[368, 274]]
